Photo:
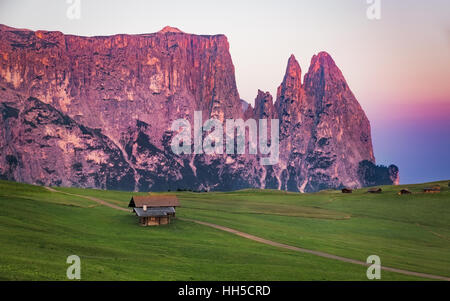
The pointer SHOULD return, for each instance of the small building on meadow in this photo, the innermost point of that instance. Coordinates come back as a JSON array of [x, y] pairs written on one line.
[[404, 191], [434, 189], [374, 190], [154, 210], [347, 190]]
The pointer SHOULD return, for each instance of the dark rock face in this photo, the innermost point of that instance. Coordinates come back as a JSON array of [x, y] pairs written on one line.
[[97, 112], [264, 108], [372, 175]]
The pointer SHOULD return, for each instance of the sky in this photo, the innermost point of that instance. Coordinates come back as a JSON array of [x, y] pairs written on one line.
[[398, 65]]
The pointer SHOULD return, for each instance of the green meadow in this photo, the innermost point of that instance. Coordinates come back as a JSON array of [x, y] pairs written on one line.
[[40, 228]]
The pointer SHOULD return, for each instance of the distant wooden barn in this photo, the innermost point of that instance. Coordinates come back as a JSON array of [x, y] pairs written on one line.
[[434, 189], [374, 190], [154, 210], [347, 190], [404, 191]]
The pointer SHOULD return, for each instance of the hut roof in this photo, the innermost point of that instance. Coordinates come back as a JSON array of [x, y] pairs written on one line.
[[160, 211], [154, 201]]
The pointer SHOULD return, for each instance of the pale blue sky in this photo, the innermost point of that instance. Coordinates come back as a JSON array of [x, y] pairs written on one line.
[[394, 66]]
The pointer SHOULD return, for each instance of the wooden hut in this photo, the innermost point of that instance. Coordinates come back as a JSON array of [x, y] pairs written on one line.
[[154, 210], [434, 189], [347, 190], [404, 191], [374, 190]]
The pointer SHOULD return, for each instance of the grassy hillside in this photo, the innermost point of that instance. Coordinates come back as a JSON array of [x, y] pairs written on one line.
[[39, 229]]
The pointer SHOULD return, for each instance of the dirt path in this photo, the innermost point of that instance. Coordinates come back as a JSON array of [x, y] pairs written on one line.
[[270, 242]]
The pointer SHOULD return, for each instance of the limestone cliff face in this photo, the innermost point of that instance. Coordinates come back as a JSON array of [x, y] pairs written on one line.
[[109, 82], [97, 112], [128, 87]]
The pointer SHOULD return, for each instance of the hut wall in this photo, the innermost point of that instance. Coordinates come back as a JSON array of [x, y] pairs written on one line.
[[164, 220], [153, 221]]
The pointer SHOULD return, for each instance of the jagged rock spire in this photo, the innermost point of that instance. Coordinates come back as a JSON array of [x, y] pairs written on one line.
[[290, 88], [323, 74]]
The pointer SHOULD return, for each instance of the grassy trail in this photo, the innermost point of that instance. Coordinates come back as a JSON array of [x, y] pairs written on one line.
[[101, 202]]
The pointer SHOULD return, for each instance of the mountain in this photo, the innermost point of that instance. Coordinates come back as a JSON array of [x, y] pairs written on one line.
[[97, 112], [325, 132]]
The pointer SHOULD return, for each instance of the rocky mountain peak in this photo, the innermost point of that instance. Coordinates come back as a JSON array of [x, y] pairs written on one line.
[[168, 29], [292, 82], [290, 92], [293, 76], [323, 71]]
